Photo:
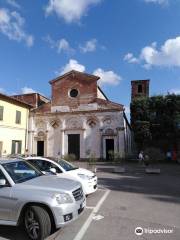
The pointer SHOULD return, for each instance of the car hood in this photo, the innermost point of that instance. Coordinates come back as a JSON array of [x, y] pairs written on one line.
[[83, 171], [52, 183], [67, 176]]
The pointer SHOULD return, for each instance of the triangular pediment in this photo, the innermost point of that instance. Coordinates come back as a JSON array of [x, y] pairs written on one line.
[[76, 75]]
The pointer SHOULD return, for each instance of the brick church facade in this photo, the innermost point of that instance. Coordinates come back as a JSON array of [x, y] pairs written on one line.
[[79, 119]]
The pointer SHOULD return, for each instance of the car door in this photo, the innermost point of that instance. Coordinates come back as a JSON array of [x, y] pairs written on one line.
[[5, 200]]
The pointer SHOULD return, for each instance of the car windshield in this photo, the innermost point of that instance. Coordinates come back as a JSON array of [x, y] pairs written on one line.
[[66, 165], [21, 171]]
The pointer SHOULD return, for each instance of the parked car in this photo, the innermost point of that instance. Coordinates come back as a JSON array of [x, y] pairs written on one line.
[[41, 203], [87, 178]]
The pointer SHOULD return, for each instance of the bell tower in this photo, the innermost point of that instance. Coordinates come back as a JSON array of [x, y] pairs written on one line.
[[139, 88]]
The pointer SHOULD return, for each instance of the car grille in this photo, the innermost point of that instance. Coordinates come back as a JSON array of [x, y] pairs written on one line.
[[78, 194]]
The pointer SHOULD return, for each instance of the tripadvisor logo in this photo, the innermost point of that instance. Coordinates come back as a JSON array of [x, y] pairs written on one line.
[[139, 231]]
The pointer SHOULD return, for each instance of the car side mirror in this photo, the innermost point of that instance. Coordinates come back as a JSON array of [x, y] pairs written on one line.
[[2, 182], [53, 170]]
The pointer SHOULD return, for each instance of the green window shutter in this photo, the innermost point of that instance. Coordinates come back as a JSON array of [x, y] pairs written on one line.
[[1, 112], [13, 147], [18, 117], [19, 147]]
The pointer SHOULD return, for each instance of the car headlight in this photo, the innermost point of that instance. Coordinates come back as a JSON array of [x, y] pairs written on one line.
[[63, 198], [85, 177]]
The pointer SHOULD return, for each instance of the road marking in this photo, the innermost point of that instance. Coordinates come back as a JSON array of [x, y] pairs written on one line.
[[89, 207], [98, 217], [86, 225]]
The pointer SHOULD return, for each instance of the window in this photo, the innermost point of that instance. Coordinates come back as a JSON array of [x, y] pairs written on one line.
[[73, 93], [18, 117], [16, 147], [1, 112], [21, 171], [2, 177], [45, 165], [66, 165], [140, 88]]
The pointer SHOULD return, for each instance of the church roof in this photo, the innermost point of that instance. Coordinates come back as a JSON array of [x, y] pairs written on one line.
[[74, 73]]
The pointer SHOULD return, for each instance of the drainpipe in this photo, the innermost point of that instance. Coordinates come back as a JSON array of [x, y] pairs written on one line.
[[26, 131]]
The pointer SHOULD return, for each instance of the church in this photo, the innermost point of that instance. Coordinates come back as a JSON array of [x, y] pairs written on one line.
[[79, 119]]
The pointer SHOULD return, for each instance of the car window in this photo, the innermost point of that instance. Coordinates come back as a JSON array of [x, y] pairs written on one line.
[[45, 166], [21, 171], [66, 165], [2, 177]]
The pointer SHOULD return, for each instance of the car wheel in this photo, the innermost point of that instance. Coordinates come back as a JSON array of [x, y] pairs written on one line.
[[37, 223]]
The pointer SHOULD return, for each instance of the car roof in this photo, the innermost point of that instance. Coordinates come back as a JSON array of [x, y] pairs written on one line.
[[10, 160], [40, 158]]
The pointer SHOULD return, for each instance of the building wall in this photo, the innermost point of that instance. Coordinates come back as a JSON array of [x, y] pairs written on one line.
[[100, 95], [94, 129], [134, 89], [60, 92], [9, 130], [33, 99], [78, 106]]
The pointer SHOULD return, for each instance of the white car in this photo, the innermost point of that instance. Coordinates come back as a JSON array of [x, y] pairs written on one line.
[[40, 203], [63, 168]]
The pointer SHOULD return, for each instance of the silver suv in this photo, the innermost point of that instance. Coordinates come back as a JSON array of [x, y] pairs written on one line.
[[41, 203]]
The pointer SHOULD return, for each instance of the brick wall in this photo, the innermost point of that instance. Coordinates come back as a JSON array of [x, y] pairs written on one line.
[[61, 88], [28, 98], [134, 89]]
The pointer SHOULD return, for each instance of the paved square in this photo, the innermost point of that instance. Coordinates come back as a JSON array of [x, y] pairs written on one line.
[[123, 203]]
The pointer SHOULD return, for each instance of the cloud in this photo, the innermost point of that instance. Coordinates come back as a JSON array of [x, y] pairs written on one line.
[[129, 57], [161, 2], [70, 10], [26, 90], [72, 65], [13, 3], [127, 109], [107, 77], [168, 55], [61, 45], [89, 46], [12, 25], [2, 90], [175, 91], [52, 43]]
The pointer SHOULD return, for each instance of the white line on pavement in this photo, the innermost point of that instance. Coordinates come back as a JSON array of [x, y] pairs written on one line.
[[89, 207], [86, 225]]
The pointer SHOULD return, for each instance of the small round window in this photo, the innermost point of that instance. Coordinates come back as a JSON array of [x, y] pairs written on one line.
[[73, 93]]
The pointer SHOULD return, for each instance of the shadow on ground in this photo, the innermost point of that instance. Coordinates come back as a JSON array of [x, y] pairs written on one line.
[[12, 233], [160, 187]]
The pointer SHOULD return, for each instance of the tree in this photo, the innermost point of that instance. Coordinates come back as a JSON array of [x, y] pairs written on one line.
[[156, 121]]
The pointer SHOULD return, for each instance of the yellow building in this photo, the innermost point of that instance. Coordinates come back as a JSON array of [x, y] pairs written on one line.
[[14, 116]]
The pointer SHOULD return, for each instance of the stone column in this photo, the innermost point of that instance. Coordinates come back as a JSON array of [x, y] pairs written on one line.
[[101, 144], [62, 143]]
